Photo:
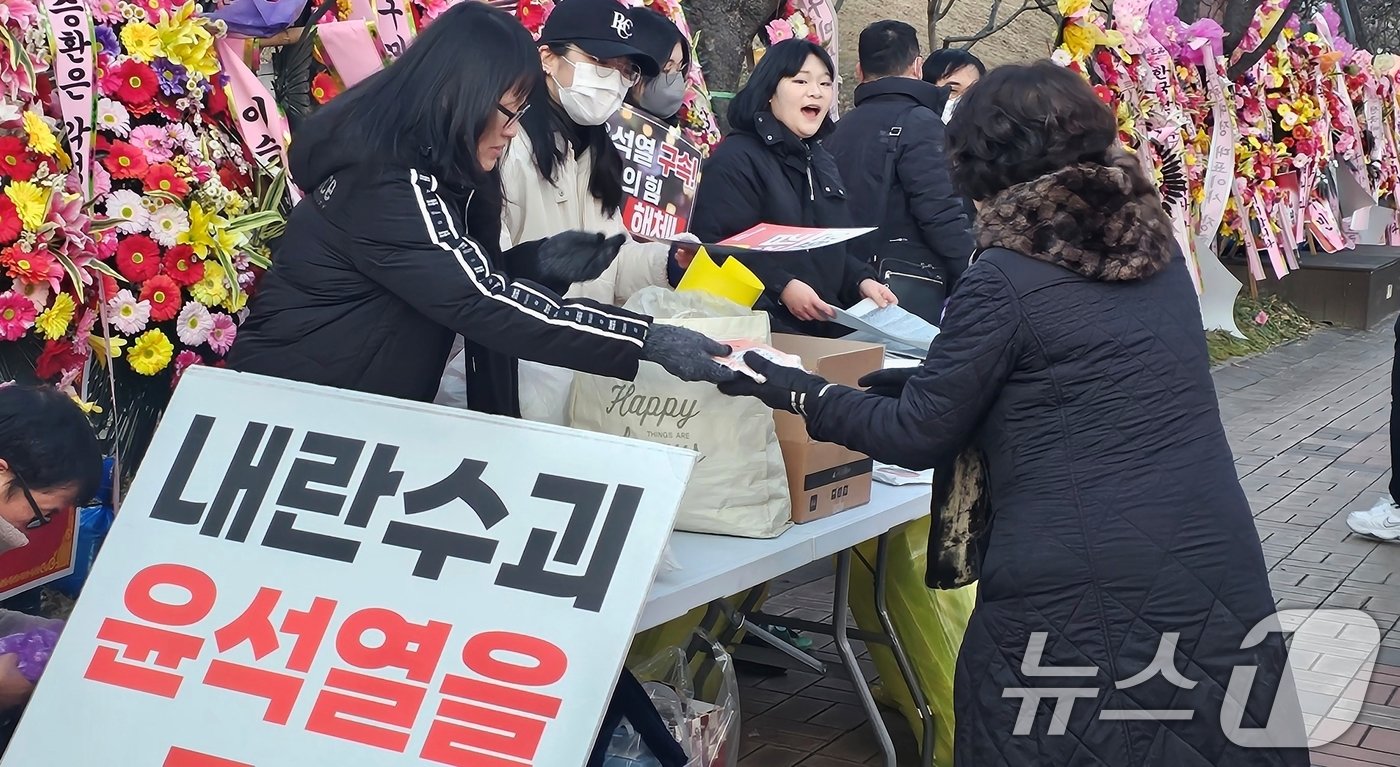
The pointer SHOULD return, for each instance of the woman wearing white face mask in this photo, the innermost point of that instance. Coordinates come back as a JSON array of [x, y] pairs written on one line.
[[661, 96], [954, 70], [562, 172]]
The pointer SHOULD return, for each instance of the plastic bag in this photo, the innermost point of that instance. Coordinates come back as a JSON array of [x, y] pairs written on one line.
[[699, 699], [739, 487], [33, 648], [93, 523], [928, 623]]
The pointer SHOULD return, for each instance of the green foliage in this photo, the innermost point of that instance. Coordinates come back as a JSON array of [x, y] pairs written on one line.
[[1282, 324]]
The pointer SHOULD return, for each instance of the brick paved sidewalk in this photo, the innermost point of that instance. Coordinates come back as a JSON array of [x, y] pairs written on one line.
[[1309, 426]]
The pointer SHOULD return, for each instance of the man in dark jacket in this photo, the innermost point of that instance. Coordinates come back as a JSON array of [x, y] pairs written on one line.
[[898, 180]]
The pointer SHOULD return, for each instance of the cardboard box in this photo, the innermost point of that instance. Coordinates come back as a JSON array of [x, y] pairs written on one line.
[[825, 478]]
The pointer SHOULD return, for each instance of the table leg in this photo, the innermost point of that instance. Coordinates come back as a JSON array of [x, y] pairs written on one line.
[[840, 626], [906, 669]]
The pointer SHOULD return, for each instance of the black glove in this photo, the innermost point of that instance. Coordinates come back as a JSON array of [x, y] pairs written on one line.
[[888, 382], [686, 354], [787, 388], [569, 257]]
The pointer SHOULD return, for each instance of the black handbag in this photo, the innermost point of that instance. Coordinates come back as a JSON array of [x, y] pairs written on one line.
[[921, 288]]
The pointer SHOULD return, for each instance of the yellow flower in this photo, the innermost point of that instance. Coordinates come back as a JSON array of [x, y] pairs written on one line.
[[208, 233], [187, 43], [210, 290], [1079, 40], [32, 202], [102, 350], [41, 139], [141, 41], [53, 323], [1069, 8], [151, 353], [236, 301]]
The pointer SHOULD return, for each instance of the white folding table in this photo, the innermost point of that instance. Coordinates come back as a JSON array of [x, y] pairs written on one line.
[[714, 567]]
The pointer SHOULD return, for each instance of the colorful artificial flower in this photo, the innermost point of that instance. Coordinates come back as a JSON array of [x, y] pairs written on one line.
[[172, 78], [151, 353], [16, 316], [187, 43], [141, 41], [10, 226], [124, 160], [129, 315], [57, 359], [126, 207], [133, 82], [324, 88], [208, 233], [138, 258], [193, 324], [113, 117], [20, 13], [41, 139], [107, 10], [31, 203], [36, 292], [222, 334], [162, 177], [32, 267], [15, 161], [168, 224], [54, 322], [153, 143], [164, 297], [107, 41], [182, 267], [212, 288], [779, 30], [185, 360], [101, 181]]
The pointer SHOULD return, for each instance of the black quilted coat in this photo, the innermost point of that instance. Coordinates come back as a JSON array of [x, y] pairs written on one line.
[[1072, 356]]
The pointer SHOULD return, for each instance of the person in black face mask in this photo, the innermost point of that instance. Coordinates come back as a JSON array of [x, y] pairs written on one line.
[[657, 36]]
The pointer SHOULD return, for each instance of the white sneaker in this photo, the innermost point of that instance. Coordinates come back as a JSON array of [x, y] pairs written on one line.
[[1380, 521]]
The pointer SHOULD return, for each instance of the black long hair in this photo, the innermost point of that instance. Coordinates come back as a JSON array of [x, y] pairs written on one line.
[[548, 122], [781, 61], [47, 439], [428, 108]]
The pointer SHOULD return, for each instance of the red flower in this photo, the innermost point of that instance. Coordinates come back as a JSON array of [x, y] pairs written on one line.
[[164, 296], [125, 161], [31, 266], [109, 285], [1104, 94], [58, 358], [132, 82], [9, 220], [231, 178], [138, 257], [218, 100], [15, 161], [182, 266], [164, 178], [324, 88]]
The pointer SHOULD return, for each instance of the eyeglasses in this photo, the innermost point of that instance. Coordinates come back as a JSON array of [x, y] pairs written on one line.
[[40, 518], [629, 71], [512, 118]]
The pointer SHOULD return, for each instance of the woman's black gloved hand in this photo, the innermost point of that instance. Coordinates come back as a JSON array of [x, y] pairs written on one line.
[[888, 382], [686, 354], [570, 257], [786, 388]]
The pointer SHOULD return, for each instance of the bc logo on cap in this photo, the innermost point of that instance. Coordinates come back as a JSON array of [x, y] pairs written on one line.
[[622, 25]]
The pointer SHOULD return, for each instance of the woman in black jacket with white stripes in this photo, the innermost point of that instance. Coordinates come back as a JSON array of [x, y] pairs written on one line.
[[394, 250]]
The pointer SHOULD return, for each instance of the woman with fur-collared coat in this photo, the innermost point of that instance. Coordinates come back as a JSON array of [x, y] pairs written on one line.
[[1073, 361]]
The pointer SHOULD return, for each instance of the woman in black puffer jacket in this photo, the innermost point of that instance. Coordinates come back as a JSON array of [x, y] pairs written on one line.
[[772, 169], [1072, 361]]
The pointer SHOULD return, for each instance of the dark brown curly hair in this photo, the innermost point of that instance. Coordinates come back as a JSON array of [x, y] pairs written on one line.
[[1021, 122]]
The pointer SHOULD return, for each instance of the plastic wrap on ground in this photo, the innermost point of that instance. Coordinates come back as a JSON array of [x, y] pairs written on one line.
[[928, 623]]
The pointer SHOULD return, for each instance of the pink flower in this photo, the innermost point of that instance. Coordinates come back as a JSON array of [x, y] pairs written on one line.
[[194, 324], [83, 330], [1261, 318], [222, 334], [16, 316], [435, 8], [18, 13], [71, 224], [128, 315], [107, 244], [101, 181], [153, 142], [184, 361], [779, 30], [106, 10]]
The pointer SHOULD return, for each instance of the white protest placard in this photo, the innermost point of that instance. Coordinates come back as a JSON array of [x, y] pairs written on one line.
[[308, 576]]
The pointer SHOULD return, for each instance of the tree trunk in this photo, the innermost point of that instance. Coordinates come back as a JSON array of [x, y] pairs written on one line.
[[726, 28]]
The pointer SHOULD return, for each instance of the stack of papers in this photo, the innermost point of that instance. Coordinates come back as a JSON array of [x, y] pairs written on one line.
[[902, 333]]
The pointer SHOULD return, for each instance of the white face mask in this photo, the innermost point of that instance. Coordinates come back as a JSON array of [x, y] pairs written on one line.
[[596, 94], [948, 108], [664, 95]]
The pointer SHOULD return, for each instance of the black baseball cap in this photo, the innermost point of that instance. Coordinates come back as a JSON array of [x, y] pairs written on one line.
[[601, 28]]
